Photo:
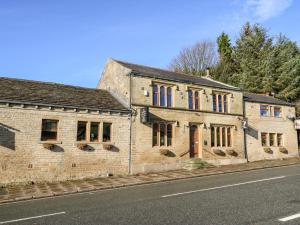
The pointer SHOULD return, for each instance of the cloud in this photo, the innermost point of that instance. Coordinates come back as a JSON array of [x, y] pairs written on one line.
[[262, 10]]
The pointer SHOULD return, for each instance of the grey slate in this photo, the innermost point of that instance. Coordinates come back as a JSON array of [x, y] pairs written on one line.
[[44, 93], [174, 76], [260, 98]]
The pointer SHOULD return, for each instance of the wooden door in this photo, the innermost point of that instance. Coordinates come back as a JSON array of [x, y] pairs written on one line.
[[194, 141]]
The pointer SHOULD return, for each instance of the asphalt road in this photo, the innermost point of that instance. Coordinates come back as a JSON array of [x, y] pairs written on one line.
[[270, 196]]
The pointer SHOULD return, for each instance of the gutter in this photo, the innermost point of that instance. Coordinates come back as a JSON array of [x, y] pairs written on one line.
[[130, 128], [245, 135]]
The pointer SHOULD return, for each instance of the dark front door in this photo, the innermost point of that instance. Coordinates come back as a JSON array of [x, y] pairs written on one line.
[[194, 141]]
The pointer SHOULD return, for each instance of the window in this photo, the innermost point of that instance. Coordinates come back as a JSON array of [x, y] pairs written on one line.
[[279, 140], [162, 131], [264, 110], [162, 134], [212, 132], [225, 103], [223, 137], [155, 134], [81, 131], [49, 130], [190, 93], [220, 103], [169, 97], [272, 139], [155, 95], [264, 137], [228, 137], [220, 136], [162, 95], [215, 103], [277, 111], [196, 100], [94, 132], [106, 132], [169, 135]]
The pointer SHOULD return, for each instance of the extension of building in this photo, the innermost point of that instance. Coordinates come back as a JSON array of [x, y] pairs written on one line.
[[138, 119]]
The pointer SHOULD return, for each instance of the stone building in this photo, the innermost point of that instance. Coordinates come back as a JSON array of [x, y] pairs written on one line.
[[196, 117], [51, 132], [138, 119]]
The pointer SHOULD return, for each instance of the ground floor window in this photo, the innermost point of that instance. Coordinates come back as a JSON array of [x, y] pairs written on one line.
[[271, 139], [90, 131], [162, 134], [221, 136], [49, 130]]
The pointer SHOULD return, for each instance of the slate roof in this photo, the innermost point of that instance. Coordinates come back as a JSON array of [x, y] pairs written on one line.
[[54, 94], [260, 98], [152, 72]]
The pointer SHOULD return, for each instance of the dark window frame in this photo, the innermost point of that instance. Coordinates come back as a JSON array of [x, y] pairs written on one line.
[[46, 131]]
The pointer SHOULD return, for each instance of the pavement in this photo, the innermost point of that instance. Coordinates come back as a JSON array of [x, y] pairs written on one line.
[[44, 190], [254, 197]]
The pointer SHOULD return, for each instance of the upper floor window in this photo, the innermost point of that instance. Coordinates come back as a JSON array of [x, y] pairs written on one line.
[[264, 110], [162, 95], [169, 97], [155, 95], [193, 99], [49, 130], [277, 111], [220, 103]]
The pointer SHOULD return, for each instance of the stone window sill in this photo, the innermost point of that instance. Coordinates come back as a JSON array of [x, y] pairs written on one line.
[[51, 142]]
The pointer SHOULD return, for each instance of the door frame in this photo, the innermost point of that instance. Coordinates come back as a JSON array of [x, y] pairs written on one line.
[[200, 139]]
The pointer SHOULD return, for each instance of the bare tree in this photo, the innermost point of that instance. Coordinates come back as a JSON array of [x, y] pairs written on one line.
[[195, 59]]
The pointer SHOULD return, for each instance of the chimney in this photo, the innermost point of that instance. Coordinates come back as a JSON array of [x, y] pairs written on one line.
[[207, 72]]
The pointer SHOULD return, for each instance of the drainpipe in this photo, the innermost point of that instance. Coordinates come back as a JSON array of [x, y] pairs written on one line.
[[245, 134], [130, 129]]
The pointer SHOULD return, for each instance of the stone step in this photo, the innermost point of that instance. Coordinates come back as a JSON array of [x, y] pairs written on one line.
[[196, 164]]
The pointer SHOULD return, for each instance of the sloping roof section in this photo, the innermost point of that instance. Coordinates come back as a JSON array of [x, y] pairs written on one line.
[[174, 76], [54, 94], [260, 98]]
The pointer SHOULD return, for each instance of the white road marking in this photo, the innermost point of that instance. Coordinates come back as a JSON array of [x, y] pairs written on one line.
[[290, 218], [33, 217], [220, 187]]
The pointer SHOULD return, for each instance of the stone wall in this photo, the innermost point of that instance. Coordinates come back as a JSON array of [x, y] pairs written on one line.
[[24, 159], [258, 124]]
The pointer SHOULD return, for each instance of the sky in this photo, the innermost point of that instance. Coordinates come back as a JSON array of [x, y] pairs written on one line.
[[69, 41]]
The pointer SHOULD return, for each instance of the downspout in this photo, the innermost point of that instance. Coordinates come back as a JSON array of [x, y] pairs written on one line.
[[130, 129], [245, 134]]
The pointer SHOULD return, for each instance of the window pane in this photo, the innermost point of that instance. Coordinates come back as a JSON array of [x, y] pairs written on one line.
[[196, 100], [215, 103], [106, 132], [279, 140], [264, 109], [220, 103], [154, 134], [94, 136], [155, 95], [162, 96], [272, 139], [225, 103], [228, 137], [169, 97], [162, 128], [264, 139], [223, 137], [81, 131], [190, 93], [212, 132], [277, 111], [218, 137], [169, 135], [49, 130]]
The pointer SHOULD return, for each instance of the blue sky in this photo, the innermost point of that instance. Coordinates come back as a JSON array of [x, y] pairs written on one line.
[[69, 41]]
